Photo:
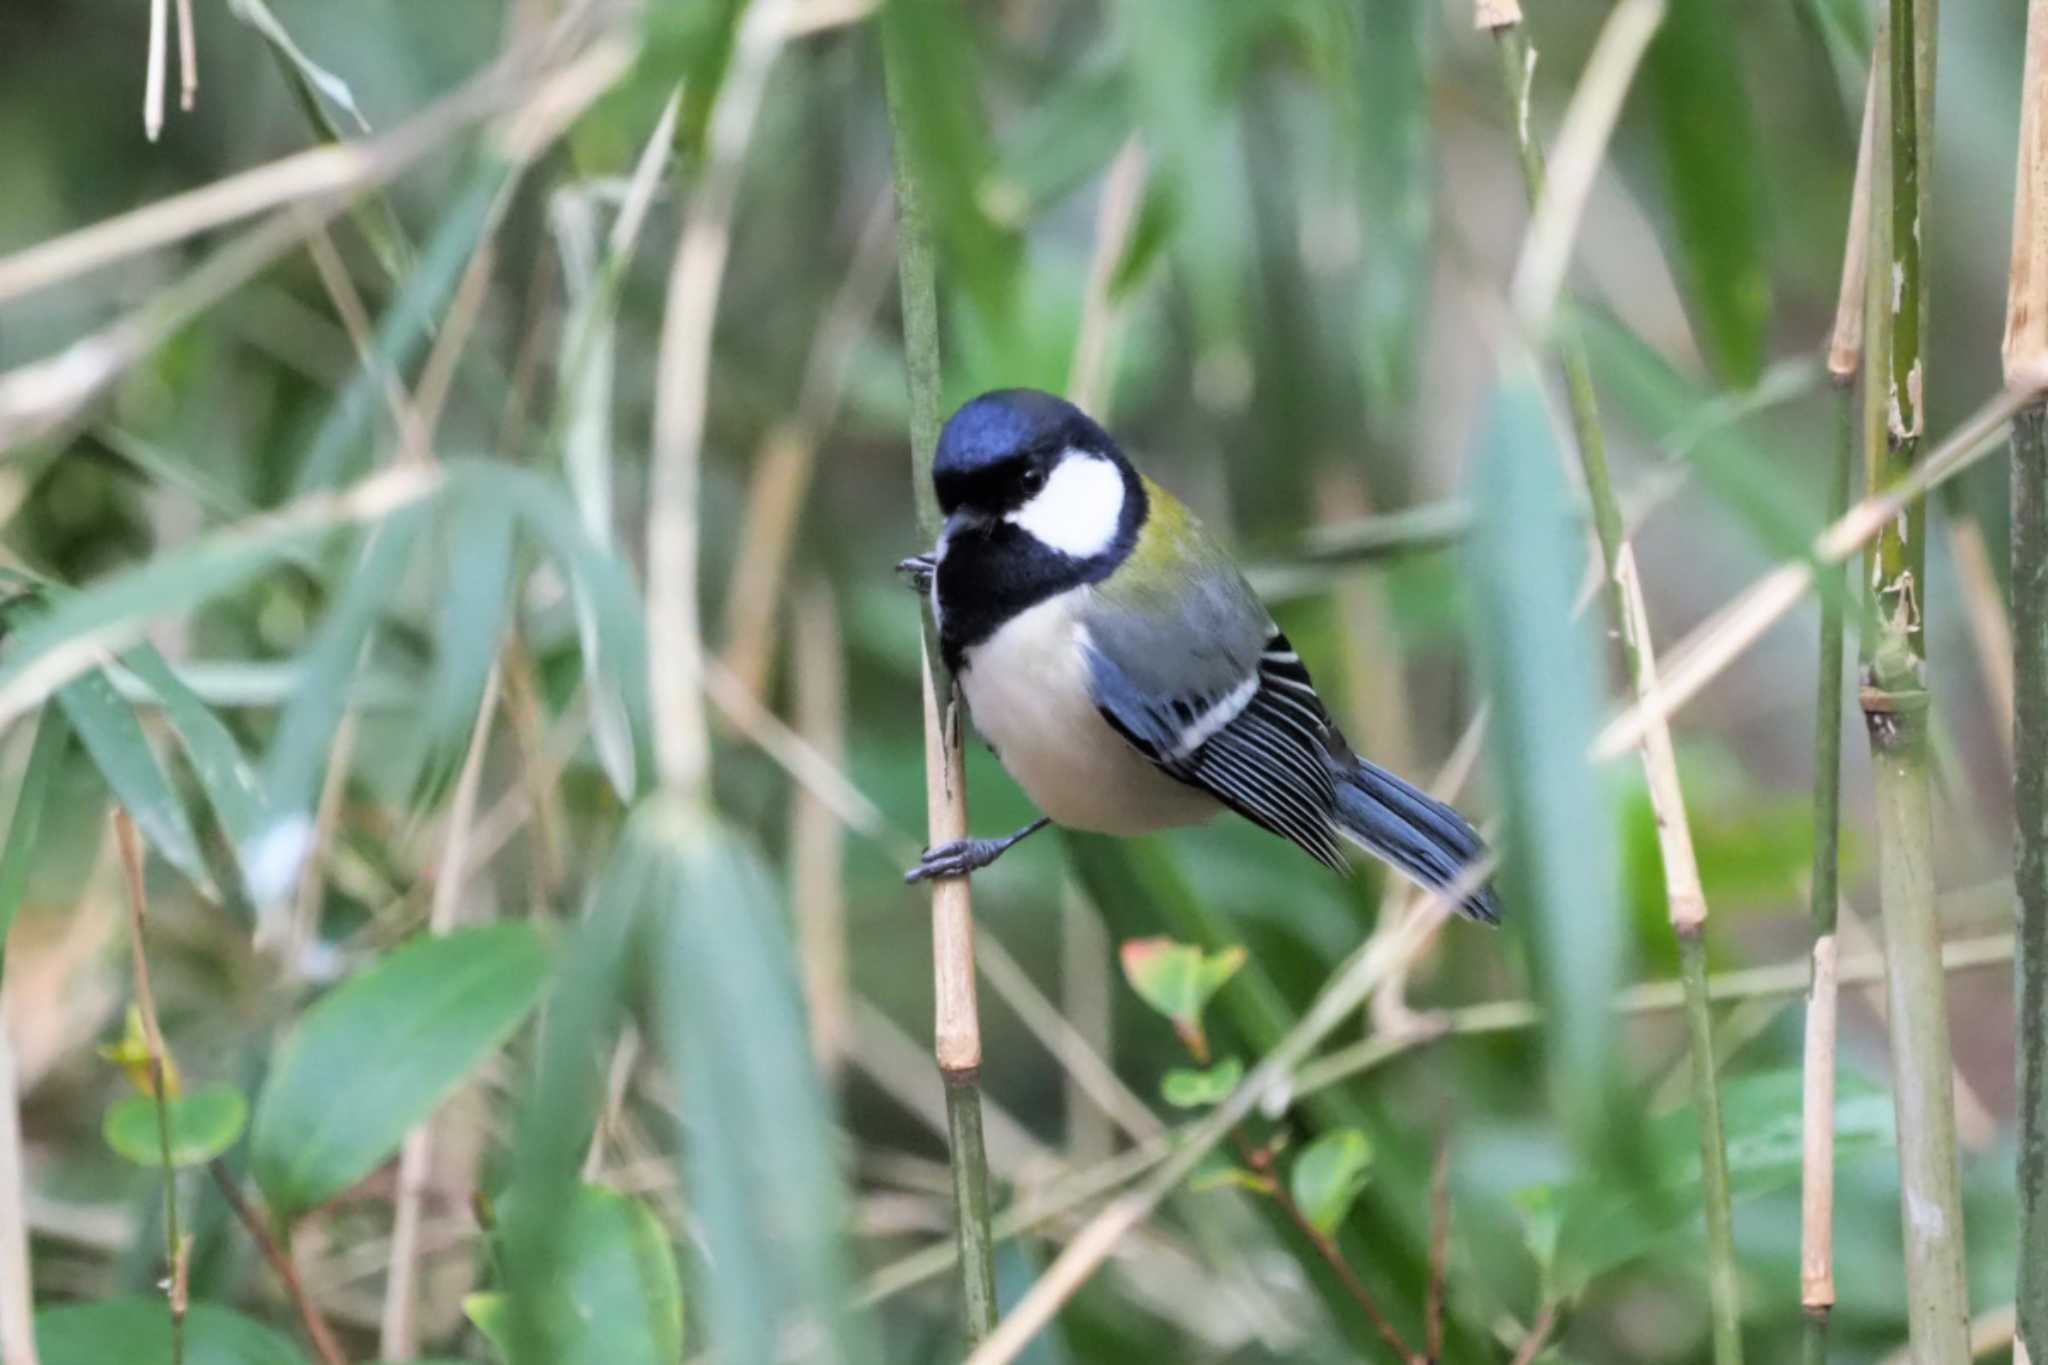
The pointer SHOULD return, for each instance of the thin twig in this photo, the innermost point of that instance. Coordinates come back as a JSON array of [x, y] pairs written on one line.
[[188, 58], [682, 742], [1092, 376], [398, 1327], [1261, 1161], [618, 1077], [280, 1262], [1439, 1248], [786, 458], [1722, 637], [153, 72], [817, 846], [342, 169], [160, 1074], [1334, 1068], [1581, 147], [1538, 1335]]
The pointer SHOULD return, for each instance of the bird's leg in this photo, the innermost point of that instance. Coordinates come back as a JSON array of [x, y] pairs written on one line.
[[917, 573], [963, 856]]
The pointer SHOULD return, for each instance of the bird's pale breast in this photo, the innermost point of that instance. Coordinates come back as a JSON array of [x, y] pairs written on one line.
[[1027, 687]]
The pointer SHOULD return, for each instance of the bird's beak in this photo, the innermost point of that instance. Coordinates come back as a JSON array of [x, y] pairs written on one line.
[[960, 522]]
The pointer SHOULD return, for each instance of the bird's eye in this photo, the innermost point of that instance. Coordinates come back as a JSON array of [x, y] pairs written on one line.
[[1031, 480]]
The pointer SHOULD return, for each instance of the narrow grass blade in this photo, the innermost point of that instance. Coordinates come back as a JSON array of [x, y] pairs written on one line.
[[24, 829], [404, 328], [615, 1298], [112, 735], [217, 760], [1558, 855], [1711, 152], [475, 593], [757, 1163], [556, 1117], [298, 750]]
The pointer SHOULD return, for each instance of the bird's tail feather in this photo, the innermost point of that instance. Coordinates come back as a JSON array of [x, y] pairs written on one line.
[[1413, 830]]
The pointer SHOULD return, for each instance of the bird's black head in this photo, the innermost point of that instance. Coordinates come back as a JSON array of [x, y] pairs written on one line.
[[1000, 450], [1038, 500]]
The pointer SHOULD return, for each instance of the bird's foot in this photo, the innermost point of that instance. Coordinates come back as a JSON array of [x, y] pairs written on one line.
[[917, 573], [956, 859]]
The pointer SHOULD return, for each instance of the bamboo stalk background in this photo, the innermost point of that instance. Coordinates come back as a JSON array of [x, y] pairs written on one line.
[[2026, 370], [1686, 900], [1817, 1110], [1895, 701], [17, 1292], [956, 1031]]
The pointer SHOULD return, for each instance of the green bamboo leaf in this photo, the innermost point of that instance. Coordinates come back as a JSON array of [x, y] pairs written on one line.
[[692, 42], [178, 580], [1189, 1088], [1602, 1226], [203, 1124], [107, 726], [474, 597], [304, 737], [318, 78], [1329, 1175], [1391, 79], [616, 1297], [759, 1162], [379, 1052], [1064, 140], [138, 1329], [1704, 429], [404, 328], [322, 93], [224, 772], [611, 627], [24, 827], [933, 61], [1708, 140], [1559, 859], [556, 1117], [1182, 56]]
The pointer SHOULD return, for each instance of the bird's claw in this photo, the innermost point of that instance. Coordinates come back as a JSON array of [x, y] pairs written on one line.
[[917, 572], [956, 859]]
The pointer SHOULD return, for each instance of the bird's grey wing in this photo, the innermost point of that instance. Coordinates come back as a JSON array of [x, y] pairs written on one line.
[[1212, 692]]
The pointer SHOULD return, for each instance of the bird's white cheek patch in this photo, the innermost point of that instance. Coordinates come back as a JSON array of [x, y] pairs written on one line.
[[1078, 510]]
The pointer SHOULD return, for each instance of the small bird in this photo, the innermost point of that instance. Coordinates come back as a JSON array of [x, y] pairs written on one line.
[[1123, 670]]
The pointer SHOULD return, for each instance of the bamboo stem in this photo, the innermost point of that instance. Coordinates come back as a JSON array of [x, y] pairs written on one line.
[[1895, 707], [160, 1075], [2030, 860], [2026, 368], [1687, 902], [957, 1025], [1817, 1112], [17, 1292]]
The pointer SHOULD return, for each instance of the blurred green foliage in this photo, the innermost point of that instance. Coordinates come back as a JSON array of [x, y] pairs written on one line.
[[1306, 314]]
